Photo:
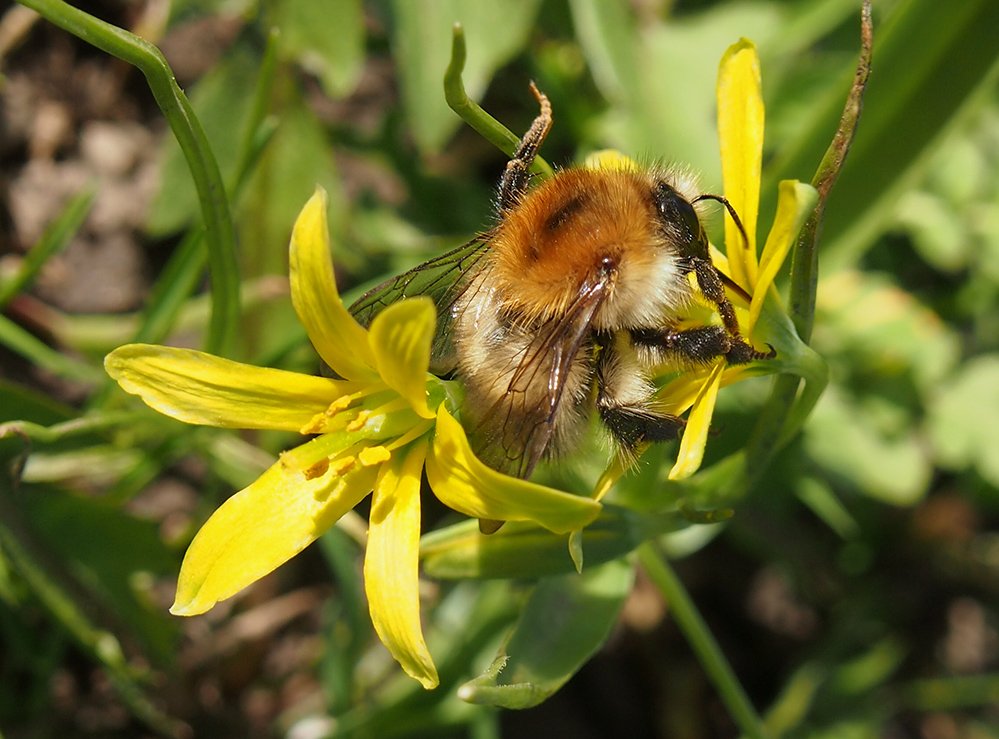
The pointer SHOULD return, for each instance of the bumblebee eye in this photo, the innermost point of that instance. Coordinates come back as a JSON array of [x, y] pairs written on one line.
[[677, 214], [679, 221]]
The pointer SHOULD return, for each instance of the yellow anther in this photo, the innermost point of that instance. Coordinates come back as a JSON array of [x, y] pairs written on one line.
[[373, 455], [343, 465], [358, 423], [317, 470]]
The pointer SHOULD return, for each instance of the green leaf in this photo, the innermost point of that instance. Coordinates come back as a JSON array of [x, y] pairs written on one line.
[[565, 621], [964, 411], [931, 62], [524, 550], [870, 445], [346, 620], [879, 329], [298, 158], [325, 38], [22, 403], [422, 45], [654, 109], [109, 553]]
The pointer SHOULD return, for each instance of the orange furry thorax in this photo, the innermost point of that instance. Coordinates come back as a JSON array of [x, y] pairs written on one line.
[[556, 238]]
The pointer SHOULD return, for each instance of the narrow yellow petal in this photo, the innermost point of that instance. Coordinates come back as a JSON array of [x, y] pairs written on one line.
[[391, 564], [740, 134], [678, 395], [695, 436], [795, 201], [261, 527], [467, 485], [340, 340], [401, 336], [200, 388]]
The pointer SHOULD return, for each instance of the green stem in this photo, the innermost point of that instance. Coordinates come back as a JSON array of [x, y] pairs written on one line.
[[181, 275], [83, 425], [469, 111], [804, 259], [699, 637], [221, 239]]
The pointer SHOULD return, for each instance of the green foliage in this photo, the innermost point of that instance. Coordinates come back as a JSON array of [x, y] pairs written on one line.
[[876, 523], [565, 620]]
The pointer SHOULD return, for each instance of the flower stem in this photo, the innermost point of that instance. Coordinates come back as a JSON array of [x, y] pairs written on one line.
[[804, 259], [701, 641], [221, 239]]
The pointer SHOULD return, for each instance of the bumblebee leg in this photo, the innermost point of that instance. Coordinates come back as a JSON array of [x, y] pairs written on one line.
[[696, 345], [710, 282], [623, 398], [632, 426], [513, 183]]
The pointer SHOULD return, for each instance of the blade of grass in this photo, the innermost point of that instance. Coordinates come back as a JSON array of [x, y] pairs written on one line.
[[221, 238], [54, 240], [183, 271], [181, 274], [42, 578], [36, 351]]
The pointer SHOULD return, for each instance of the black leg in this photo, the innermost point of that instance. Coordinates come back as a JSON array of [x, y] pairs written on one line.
[[623, 398], [697, 345], [738, 350], [513, 183], [631, 426]]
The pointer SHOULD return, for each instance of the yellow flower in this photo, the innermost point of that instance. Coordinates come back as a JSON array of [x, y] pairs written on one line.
[[740, 132], [740, 135], [376, 429]]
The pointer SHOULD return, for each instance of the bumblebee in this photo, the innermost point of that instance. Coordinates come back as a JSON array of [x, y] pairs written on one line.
[[570, 301]]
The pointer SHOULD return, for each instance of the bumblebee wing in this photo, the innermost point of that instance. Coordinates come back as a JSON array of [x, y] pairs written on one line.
[[526, 424], [444, 279]]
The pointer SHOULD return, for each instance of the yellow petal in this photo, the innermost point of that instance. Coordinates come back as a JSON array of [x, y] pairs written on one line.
[[720, 261], [795, 201], [400, 341], [340, 340], [695, 435], [740, 134], [195, 387], [610, 159], [467, 485], [263, 526], [678, 395], [391, 564]]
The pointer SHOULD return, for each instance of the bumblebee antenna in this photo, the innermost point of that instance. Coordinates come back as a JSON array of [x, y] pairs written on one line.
[[731, 211]]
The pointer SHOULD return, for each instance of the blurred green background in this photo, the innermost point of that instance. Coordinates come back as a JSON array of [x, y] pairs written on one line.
[[855, 591]]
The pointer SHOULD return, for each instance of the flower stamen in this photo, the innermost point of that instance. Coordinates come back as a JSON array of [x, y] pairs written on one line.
[[373, 455], [342, 465], [319, 469]]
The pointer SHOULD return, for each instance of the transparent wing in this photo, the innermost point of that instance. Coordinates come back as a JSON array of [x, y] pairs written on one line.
[[517, 430], [444, 279]]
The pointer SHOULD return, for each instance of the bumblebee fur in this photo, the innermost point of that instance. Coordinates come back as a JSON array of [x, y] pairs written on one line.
[[570, 302]]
